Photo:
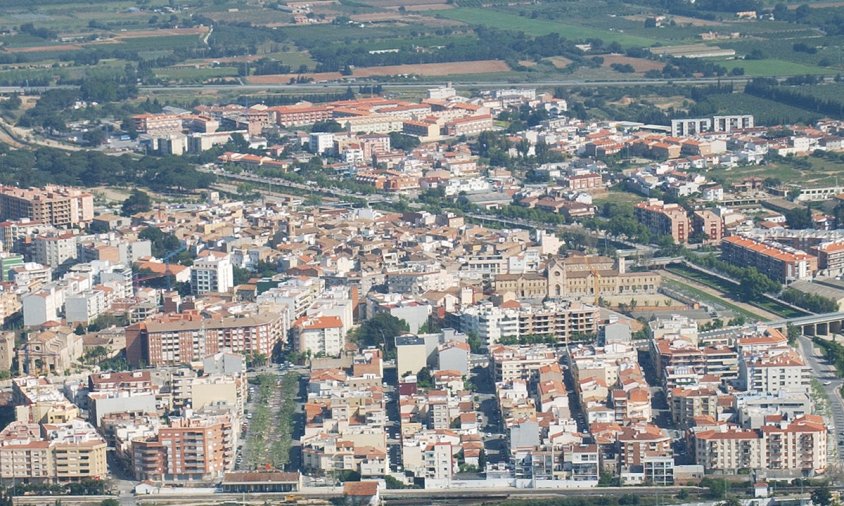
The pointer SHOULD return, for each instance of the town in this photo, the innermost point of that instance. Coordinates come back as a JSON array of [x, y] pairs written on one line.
[[468, 293]]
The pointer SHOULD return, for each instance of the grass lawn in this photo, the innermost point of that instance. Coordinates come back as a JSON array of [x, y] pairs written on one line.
[[773, 67], [505, 21], [617, 197]]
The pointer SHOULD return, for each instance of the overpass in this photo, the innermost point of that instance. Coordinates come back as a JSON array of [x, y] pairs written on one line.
[[812, 325]]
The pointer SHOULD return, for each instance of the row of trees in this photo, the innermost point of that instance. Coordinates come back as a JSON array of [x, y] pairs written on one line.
[[92, 168], [811, 302], [752, 284]]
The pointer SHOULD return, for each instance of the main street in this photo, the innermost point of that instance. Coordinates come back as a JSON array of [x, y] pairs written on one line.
[[831, 383]]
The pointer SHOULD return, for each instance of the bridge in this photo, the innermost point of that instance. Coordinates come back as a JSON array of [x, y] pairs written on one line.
[[813, 325]]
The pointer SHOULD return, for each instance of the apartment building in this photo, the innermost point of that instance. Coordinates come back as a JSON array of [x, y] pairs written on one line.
[[796, 446], [319, 336], [729, 449], [773, 371], [192, 448], [411, 354], [24, 454], [182, 338], [439, 461], [559, 320], [776, 261], [470, 125], [831, 257], [38, 401], [688, 403], [54, 251], [511, 363], [709, 224], [79, 452], [157, 124], [212, 272], [333, 455], [83, 308], [59, 452], [59, 206], [300, 115], [664, 219], [641, 441]]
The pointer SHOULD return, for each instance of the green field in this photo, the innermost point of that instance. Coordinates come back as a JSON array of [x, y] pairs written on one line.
[[828, 91], [505, 21], [820, 173], [766, 112], [773, 67]]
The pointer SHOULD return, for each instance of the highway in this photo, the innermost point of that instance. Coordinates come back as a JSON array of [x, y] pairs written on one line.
[[342, 85], [831, 384]]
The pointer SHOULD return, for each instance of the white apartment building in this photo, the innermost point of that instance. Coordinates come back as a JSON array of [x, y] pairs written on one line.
[[321, 335], [773, 371], [53, 251], [439, 461], [42, 306], [212, 272], [86, 306]]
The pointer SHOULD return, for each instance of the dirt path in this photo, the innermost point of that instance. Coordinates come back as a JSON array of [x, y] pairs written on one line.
[[765, 315]]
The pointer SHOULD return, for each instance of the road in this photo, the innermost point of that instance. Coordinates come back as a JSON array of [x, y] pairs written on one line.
[[311, 87], [825, 373]]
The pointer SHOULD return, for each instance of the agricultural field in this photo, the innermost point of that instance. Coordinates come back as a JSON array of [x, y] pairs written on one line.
[[766, 112], [423, 70], [507, 21], [817, 173], [771, 68], [56, 41]]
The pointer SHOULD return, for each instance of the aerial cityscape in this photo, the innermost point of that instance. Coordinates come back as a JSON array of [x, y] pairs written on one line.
[[364, 252]]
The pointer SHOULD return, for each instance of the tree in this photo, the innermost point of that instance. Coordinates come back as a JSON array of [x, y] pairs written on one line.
[[95, 136], [821, 496], [799, 218], [109, 502], [162, 244], [382, 328], [138, 202], [327, 126], [241, 275], [793, 333], [403, 142], [424, 379]]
